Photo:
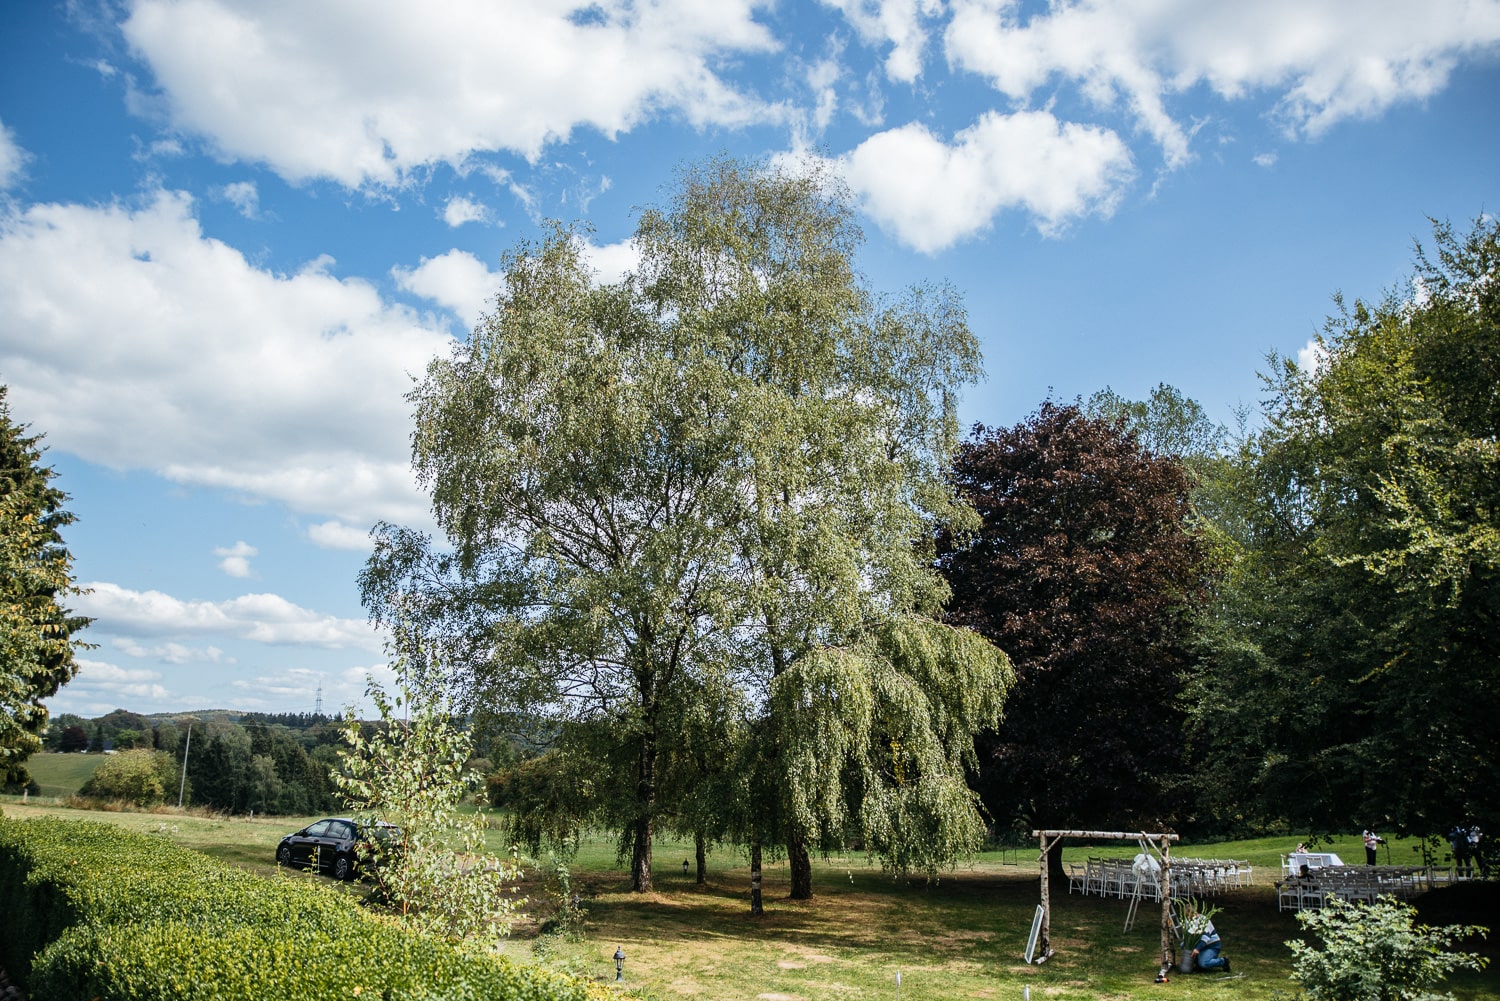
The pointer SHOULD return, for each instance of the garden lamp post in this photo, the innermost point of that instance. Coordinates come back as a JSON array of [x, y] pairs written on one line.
[[620, 963]]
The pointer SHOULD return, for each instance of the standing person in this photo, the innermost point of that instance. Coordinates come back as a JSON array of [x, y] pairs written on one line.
[[1372, 842], [1458, 838], [1206, 949]]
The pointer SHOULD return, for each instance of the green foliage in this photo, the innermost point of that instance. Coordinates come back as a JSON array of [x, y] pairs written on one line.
[[69, 729], [411, 770], [36, 631], [1377, 952], [877, 736], [1083, 572], [1349, 666], [243, 768], [140, 777], [1166, 423], [661, 493], [116, 916], [548, 798]]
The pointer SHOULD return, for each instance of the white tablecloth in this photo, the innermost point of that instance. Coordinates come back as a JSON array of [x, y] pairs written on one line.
[[1313, 860]]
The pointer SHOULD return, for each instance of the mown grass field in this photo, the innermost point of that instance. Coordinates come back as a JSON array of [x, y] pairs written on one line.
[[62, 774], [961, 937]]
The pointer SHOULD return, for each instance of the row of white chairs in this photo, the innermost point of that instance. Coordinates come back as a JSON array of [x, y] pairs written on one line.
[[1354, 883], [1121, 877], [1214, 875]]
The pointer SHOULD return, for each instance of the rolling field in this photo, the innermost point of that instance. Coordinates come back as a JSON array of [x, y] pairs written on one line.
[[62, 774]]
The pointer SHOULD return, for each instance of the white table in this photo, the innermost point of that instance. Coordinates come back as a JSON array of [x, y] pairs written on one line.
[[1313, 860]]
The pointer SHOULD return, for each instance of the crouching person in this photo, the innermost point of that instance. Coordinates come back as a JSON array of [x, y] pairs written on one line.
[[1206, 948]]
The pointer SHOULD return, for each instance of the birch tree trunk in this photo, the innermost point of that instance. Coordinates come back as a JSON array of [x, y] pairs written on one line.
[[800, 864], [640, 862], [756, 907]]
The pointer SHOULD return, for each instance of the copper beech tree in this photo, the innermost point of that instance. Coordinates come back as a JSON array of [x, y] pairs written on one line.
[[1083, 571]]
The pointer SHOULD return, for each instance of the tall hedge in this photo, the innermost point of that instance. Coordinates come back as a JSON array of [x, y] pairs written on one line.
[[97, 912]]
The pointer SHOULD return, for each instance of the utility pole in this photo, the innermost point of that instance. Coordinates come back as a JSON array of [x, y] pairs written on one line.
[[183, 784]]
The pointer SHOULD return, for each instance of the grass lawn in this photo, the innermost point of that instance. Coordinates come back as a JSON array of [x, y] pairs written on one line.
[[62, 774], [959, 938]]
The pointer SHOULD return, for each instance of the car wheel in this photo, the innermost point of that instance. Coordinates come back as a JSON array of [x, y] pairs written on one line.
[[343, 868], [284, 855]]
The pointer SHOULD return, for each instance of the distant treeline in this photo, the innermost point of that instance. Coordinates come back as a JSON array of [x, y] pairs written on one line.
[[292, 721], [267, 762], [279, 763]]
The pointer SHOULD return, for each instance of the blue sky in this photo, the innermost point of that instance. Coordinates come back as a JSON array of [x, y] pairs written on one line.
[[232, 231]]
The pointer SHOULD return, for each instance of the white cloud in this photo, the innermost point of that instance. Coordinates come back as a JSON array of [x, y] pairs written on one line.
[[101, 682], [364, 91], [1264, 159], [1321, 60], [458, 211], [260, 618], [899, 22], [12, 158], [612, 261], [337, 535], [932, 194], [822, 77], [1312, 356], [236, 558], [460, 282], [140, 344], [171, 653], [244, 196], [160, 149], [298, 687], [456, 280]]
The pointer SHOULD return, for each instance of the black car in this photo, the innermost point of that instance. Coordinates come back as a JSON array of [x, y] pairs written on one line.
[[335, 844]]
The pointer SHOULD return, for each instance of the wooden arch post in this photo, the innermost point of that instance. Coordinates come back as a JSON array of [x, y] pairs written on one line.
[[1161, 843]]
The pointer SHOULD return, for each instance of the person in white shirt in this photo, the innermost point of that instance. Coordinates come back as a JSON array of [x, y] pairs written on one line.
[[1372, 842]]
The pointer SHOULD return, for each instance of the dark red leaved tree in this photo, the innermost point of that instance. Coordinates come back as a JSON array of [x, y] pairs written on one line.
[[1082, 572]]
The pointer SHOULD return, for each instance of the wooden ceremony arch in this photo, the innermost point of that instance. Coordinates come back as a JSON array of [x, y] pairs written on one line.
[[1159, 843]]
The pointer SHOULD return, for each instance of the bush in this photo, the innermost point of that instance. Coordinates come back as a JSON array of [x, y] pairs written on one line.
[[413, 772], [102, 913], [139, 777], [1377, 952]]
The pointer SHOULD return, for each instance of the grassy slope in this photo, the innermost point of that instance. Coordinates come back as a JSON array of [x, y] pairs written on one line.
[[62, 774], [960, 938]]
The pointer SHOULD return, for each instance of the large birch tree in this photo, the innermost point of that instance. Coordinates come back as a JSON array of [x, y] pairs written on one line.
[[722, 473]]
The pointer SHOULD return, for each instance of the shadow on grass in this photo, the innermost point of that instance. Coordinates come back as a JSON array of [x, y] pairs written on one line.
[[960, 937]]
